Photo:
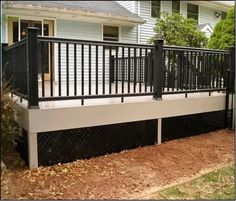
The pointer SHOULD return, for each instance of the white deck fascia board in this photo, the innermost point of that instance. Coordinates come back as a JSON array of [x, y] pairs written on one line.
[[52, 119]]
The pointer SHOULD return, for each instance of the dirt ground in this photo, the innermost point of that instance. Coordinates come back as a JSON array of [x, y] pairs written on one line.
[[127, 175]]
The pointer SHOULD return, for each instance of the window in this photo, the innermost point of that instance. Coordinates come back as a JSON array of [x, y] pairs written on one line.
[[192, 11], [175, 6], [110, 33], [155, 9], [223, 15]]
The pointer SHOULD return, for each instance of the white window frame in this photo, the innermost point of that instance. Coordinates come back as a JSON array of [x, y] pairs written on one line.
[[151, 10], [23, 17]]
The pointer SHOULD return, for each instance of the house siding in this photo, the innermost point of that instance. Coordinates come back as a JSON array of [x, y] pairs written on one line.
[[128, 34], [207, 15], [3, 29], [129, 5], [79, 30], [86, 31], [146, 30]]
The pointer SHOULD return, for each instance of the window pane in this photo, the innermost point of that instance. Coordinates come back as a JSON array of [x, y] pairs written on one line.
[[192, 8], [223, 15], [15, 32], [176, 6], [155, 12], [192, 11], [110, 33], [155, 9]]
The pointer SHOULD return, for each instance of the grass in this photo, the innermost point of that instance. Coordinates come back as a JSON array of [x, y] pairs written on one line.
[[218, 184]]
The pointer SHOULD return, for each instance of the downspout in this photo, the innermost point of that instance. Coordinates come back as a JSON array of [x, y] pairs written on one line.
[[138, 37]]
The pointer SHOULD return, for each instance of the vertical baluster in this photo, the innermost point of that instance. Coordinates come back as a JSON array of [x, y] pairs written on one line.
[[59, 69], [198, 69], [168, 71], [210, 70], [145, 69], [191, 70], [44, 45], [182, 71], [82, 72], [225, 70], [111, 66], [135, 69], [178, 69], [202, 69], [51, 68], [220, 70], [90, 72], [165, 71], [123, 71], [75, 70], [140, 70], [129, 63], [103, 70], [194, 70], [117, 66], [217, 69], [206, 70], [96, 69], [187, 71], [173, 71], [67, 69]]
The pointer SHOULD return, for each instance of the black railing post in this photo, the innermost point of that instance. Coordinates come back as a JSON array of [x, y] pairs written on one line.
[[158, 69], [112, 69], [32, 67], [232, 68], [231, 87]]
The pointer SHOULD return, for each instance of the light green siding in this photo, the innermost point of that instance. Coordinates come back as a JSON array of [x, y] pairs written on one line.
[[79, 30]]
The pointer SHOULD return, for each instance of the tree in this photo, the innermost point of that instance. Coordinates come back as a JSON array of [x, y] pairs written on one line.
[[178, 30], [223, 34]]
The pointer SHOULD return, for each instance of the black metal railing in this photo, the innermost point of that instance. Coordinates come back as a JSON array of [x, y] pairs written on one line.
[[135, 69], [189, 69], [49, 68], [91, 69], [14, 67]]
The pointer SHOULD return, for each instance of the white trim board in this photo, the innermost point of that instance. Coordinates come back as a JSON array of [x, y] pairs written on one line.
[[52, 119]]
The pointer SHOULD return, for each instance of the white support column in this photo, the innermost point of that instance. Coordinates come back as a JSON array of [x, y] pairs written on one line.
[[159, 130], [33, 150]]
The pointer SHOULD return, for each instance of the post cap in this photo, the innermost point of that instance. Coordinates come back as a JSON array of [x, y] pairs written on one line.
[[158, 41]]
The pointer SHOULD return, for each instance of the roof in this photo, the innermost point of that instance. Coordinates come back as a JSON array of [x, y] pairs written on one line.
[[205, 27], [110, 9], [201, 26]]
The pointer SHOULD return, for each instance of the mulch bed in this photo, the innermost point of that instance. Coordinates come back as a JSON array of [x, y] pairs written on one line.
[[125, 175]]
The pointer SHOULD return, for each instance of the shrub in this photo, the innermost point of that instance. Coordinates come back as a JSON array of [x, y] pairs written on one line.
[[223, 34], [178, 30], [8, 113]]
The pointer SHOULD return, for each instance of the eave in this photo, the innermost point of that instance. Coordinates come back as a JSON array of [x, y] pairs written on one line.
[[76, 15]]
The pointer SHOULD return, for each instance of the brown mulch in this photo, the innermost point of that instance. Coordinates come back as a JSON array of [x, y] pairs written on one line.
[[124, 175]]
